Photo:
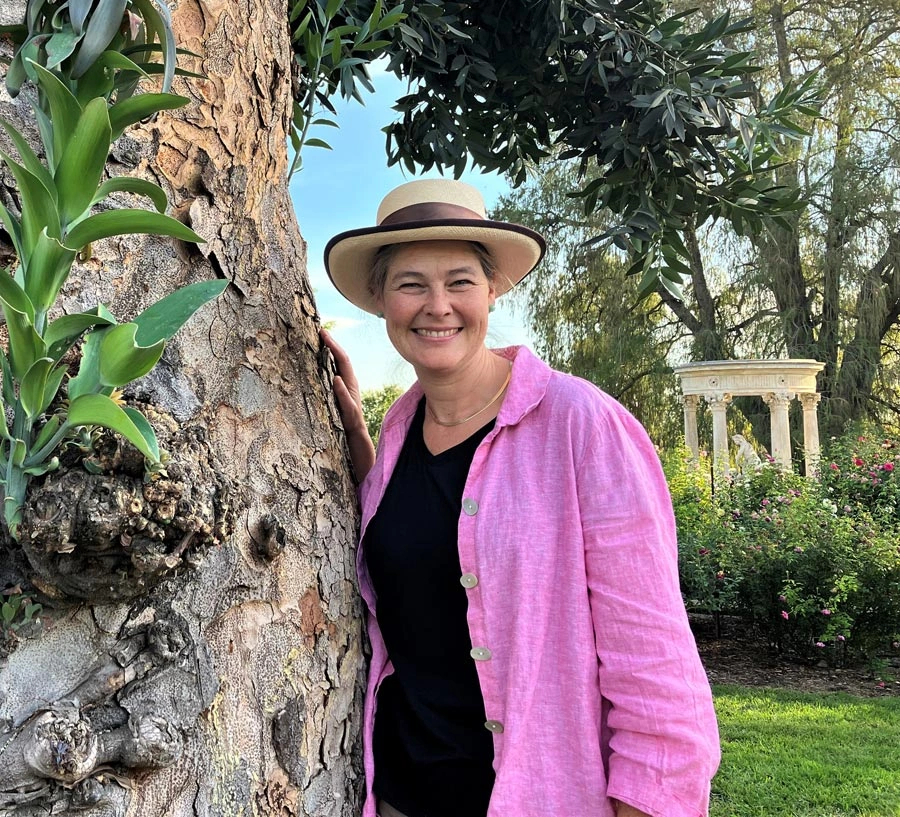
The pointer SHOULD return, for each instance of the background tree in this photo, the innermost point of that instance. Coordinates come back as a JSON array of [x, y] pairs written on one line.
[[827, 287], [375, 403], [584, 310]]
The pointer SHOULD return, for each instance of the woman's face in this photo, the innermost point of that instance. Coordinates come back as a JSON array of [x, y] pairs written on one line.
[[435, 303]]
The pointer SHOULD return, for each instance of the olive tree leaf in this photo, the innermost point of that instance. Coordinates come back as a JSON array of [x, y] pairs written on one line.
[[100, 410]]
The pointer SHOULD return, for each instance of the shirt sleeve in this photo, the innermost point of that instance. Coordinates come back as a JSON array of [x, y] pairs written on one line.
[[663, 738]]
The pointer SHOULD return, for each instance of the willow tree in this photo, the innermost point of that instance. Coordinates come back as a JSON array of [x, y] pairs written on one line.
[[189, 643]]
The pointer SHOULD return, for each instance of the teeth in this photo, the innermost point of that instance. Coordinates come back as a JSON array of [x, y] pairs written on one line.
[[432, 333]]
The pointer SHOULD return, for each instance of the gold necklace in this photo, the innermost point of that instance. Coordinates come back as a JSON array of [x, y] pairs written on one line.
[[485, 407]]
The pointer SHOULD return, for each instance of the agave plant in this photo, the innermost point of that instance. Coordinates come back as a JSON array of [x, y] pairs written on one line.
[[79, 55]]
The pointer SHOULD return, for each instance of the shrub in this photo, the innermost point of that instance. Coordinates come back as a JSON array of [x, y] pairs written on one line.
[[813, 565]]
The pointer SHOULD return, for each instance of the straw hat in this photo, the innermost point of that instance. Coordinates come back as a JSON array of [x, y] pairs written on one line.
[[429, 210]]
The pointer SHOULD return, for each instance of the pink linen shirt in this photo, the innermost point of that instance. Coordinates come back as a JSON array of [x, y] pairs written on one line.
[[592, 685]]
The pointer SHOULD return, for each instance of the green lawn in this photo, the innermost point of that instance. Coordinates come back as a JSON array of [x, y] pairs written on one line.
[[794, 754]]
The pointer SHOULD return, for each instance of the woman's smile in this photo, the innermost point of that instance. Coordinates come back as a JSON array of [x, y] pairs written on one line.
[[438, 333]]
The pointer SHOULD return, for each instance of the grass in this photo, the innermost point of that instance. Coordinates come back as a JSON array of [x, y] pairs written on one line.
[[796, 754]]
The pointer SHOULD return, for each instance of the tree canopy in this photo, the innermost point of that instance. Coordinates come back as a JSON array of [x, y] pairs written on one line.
[[651, 104], [824, 285]]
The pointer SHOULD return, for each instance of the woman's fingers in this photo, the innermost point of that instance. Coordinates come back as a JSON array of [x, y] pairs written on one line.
[[342, 361]]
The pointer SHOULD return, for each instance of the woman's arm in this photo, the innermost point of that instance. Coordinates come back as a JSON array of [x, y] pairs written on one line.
[[663, 738], [346, 389]]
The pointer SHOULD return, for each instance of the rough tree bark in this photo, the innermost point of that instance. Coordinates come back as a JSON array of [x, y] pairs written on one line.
[[199, 650]]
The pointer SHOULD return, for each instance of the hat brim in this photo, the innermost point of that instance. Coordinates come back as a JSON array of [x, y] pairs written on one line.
[[516, 251]]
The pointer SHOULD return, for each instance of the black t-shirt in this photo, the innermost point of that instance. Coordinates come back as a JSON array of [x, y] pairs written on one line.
[[433, 755]]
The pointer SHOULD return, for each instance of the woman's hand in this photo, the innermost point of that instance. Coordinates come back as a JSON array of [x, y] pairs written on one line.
[[346, 389]]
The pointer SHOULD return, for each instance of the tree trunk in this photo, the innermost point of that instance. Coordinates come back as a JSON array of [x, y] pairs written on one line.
[[201, 655]]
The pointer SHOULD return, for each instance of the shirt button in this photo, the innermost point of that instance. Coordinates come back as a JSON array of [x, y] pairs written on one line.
[[469, 506], [494, 726], [480, 653], [468, 580]]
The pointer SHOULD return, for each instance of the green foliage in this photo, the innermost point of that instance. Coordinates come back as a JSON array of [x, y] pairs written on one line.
[[99, 47], [334, 41], [651, 104], [805, 755], [814, 576], [375, 403], [16, 610], [584, 311], [73, 53]]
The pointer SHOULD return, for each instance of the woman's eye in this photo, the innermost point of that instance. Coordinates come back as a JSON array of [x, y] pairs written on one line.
[[461, 282]]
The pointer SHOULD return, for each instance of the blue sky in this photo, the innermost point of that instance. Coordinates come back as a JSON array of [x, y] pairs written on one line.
[[341, 189]]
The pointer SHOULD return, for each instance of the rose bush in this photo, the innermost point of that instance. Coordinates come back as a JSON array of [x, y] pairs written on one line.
[[814, 565]]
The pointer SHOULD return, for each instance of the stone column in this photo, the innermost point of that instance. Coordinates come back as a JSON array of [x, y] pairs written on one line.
[[718, 404], [811, 432], [691, 438], [779, 402]]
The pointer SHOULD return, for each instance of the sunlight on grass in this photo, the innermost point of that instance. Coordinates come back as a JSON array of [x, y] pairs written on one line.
[[794, 754]]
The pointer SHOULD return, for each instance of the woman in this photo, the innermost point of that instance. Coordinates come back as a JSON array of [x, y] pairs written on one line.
[[531, 655]]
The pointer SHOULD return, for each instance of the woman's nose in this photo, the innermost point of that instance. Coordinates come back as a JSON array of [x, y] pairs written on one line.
[[438, 303]]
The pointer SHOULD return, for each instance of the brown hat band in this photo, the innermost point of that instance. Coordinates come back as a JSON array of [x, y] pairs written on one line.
[[429, 211]]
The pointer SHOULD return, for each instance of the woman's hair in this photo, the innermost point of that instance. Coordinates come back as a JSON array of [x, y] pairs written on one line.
[[384, 255]]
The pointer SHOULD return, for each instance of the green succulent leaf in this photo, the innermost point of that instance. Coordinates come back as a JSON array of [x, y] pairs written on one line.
[[81, 165], [122, 359], [87, 381], [130, 184], [38, 206], [65, 330], [45, 468], [65, 111], [143, 425], [19, 450], [60, 46], [158, 22], [102, 27], [123, 222], [129, 111], [9, 391], [100, 410], [25, 345], [47, 432], [47, 271], [163, 319], [78, 13], [11, 223], [54, 383], [33, 386], [28, 156]]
